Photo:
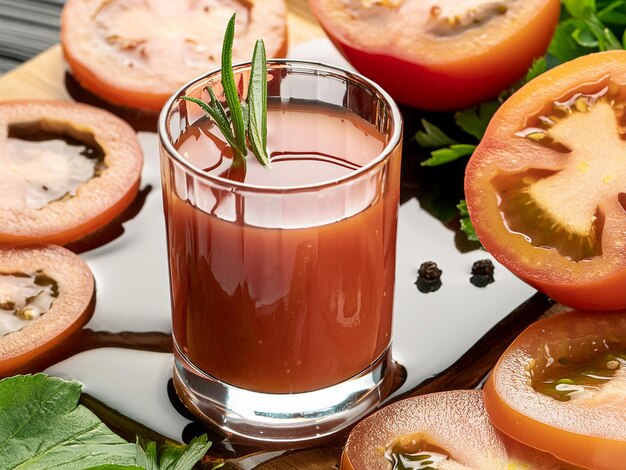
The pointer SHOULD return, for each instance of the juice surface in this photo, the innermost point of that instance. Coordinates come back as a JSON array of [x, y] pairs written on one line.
[[285, 310]]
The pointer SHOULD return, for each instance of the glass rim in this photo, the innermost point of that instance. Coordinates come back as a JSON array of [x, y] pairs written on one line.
[[394, 140]]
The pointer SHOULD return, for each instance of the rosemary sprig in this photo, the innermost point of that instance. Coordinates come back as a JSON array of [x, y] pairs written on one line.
[[246, 121]]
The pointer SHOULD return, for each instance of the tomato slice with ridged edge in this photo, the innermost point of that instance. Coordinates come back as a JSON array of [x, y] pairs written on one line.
[[546, 187], [46, 294], [446, 430], [137, 53], [66, 170], [561, 388], [440, 54]]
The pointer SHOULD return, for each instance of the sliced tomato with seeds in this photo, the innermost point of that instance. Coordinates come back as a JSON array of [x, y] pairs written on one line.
[[561, 388], [137, 53], [546, 187], [446, 430], [46, 294], [66, 170], [440, 54]]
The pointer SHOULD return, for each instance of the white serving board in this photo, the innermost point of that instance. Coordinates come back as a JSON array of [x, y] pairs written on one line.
[[431, 331]]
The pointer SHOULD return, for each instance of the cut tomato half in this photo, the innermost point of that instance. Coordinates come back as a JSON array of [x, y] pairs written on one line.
[[546, 187], [561, 387], [440, 54], [137, 53], [446, 430], [46, 294], [66, 170]]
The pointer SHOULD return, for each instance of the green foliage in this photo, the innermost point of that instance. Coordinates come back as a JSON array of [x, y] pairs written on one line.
[[449, 154], [466, 223], [588, 26], [248, 119], [43, 427]]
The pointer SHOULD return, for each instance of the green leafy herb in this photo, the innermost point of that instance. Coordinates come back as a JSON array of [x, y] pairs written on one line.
[[42, 426], [246, 122], [433, 137], [466, 223], [449, 154], [588, 26], [171, 457], [538, 67], [475, 120]]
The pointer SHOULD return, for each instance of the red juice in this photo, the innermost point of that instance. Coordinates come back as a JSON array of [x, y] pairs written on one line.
[[285, 298]]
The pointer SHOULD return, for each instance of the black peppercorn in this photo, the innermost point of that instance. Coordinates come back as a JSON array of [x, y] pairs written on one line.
[[429, 271], [429, 277], [482, 273], [483, 267]]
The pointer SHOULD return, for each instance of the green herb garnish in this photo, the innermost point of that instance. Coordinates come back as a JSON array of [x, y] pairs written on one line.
[[246, 122], [42, 426]]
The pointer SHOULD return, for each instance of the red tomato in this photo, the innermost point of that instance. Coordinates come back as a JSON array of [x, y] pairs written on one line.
[[136, 53], [449, 429], [440, 54], [561, 388], [52, 194], [49, 281], [546, 188]]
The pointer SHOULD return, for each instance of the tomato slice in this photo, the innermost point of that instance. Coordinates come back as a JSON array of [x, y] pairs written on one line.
[[137, 53], [546, 188], [561, 387], [46, 294], [440, 54], [447, 430], [66, 170]]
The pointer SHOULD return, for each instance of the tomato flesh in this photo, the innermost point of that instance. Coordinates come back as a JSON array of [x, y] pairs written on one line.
[[56, 195], [584, 421], [52, 290], [545, 188], [439, 430], [440, 55], [137, 53]]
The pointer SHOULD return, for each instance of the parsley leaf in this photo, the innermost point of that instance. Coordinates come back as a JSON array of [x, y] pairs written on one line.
[[466, 223], [475, 120], [449, 154], [433, 137]]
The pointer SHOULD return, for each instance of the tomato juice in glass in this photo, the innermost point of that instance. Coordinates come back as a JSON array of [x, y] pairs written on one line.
[[282, 278]]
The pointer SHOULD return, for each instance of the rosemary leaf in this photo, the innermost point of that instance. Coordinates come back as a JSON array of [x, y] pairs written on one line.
[[222, 125], [257, 104], [230, 88]]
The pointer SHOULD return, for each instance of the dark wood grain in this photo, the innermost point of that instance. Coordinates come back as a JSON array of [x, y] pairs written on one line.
[[27, 27]]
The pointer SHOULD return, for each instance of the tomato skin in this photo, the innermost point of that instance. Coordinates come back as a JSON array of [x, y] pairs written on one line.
[[521, 413], [591, 284], [99, 71], [99, 200], [23, 350], [452, 85]]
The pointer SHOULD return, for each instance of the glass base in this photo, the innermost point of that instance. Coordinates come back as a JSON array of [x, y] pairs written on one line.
[[282, 420]]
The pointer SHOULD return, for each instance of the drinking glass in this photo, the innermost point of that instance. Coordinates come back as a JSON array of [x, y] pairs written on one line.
[[282, 296]]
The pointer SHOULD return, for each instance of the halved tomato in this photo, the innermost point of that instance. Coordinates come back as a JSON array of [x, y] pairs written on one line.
[[446, 430], [561, 388], [440, 54], [46, 294], [546, 187], [65, 169], [137, 53]]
